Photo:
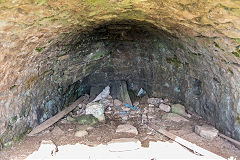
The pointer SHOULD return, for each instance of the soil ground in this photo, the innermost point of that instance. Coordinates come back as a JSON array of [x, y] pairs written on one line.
[[104, 132]]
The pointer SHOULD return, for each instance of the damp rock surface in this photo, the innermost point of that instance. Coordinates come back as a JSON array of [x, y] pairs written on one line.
[[53, 51]]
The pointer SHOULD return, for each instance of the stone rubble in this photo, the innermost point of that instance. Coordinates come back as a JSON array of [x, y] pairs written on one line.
[[178, 109], [206, 131], [164, 107]]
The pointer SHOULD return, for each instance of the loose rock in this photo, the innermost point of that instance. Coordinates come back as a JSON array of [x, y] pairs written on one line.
[[96, 109], [127, 128], [174, 117], [178, 109], [206, 131], [81, 133], [164, 107], [87, 120]]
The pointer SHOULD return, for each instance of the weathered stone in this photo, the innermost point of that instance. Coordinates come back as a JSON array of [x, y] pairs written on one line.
[[117, 102], [178, 109], [96, 109], [87, 119], [206, 131], [81, 133], [174, 117], [127, 128], [164, 107]]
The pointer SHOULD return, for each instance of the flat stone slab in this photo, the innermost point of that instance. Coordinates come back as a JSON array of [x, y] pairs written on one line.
[[206, 131], [127, 128], [174, 117]]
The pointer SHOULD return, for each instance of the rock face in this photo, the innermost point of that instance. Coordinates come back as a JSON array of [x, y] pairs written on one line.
[[52, 51]]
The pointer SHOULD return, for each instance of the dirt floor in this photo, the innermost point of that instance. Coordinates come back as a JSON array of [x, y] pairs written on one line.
[[104, 132]]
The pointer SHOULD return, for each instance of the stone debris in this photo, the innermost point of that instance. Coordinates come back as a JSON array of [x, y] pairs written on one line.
[[96, 109], [206, 131], [117, 102], [87, 120], [178, 109], [57, 131], [154, 101], [81, 133], [164, 107], [127, 128], [103, 95], [174, 117], [47, 148]]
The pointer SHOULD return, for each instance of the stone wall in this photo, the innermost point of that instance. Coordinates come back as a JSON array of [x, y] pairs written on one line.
[[188, 50]]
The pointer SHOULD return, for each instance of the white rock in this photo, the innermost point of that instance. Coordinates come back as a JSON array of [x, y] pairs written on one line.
[[164, 107], [174, 117], [96, 109], [154, 101], [81, 133], [206, 131], [103, 95], [127, 128], [117, 102]]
